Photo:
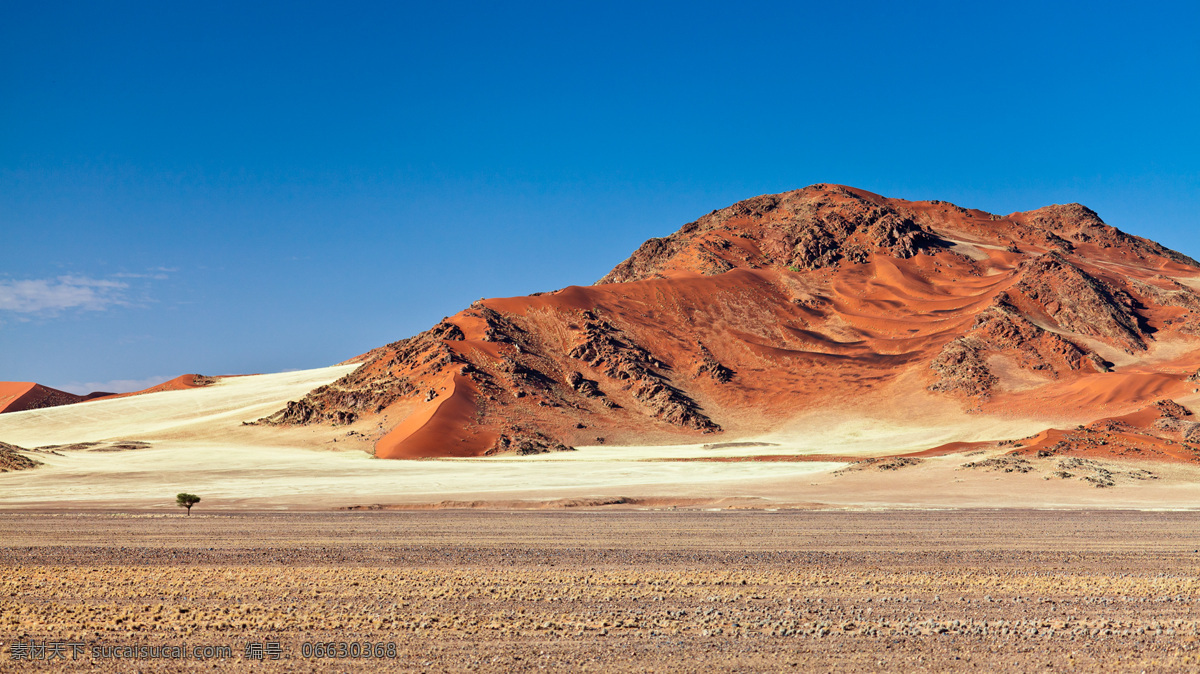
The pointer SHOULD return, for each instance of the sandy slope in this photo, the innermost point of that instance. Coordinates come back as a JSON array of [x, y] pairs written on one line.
[[191, 413], [197, 443], [269, 477], [239, 476], [230, 477]]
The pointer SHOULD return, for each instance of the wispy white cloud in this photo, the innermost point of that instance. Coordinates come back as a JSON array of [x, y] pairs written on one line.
[[113, 386], [156, 275], [50, 296], [65, 292]]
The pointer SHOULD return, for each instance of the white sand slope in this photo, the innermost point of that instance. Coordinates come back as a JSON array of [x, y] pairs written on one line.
[[297, 478], [198, 444], [231, 477], [222, 406]]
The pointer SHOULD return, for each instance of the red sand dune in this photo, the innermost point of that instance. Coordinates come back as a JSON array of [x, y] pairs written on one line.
[[425, 433], [1163, 431], [782, 304], [180, 383], [18, 396]]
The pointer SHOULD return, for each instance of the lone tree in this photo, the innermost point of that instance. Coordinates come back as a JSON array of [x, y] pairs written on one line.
[[186, 500]]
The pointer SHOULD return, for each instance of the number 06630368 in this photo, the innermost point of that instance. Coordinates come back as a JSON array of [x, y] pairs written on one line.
[[348, 649]]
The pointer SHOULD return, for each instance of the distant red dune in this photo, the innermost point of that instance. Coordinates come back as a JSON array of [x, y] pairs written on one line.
[[180, 383], [18, 396]]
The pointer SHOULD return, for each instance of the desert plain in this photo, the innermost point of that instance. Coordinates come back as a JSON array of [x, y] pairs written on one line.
[[612, 590], [672, 558]]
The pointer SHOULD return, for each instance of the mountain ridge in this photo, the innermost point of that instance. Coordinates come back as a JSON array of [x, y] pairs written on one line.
[[779, 304]]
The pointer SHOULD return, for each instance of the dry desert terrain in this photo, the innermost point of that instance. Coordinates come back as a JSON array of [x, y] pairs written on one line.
[[625, 589]]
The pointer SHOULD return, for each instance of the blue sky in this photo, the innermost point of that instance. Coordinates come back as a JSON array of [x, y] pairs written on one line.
[[216, 188]]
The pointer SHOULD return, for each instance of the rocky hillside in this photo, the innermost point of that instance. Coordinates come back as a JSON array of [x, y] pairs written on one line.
[[14, 458], [787, 303]]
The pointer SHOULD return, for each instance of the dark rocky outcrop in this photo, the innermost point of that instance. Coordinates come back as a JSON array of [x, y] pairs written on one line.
[[1079, 224], [1079, 302], [524, 441], [586, 387], [711, 367], [960, 368], [384, 378], [1002, 327], [813, 228], [12, 459], [604, 347]]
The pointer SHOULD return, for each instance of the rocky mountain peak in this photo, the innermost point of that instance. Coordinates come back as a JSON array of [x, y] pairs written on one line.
[[812, 228], [754, 313]]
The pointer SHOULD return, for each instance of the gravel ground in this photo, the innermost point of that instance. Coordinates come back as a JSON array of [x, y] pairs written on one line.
[[607, 590]]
